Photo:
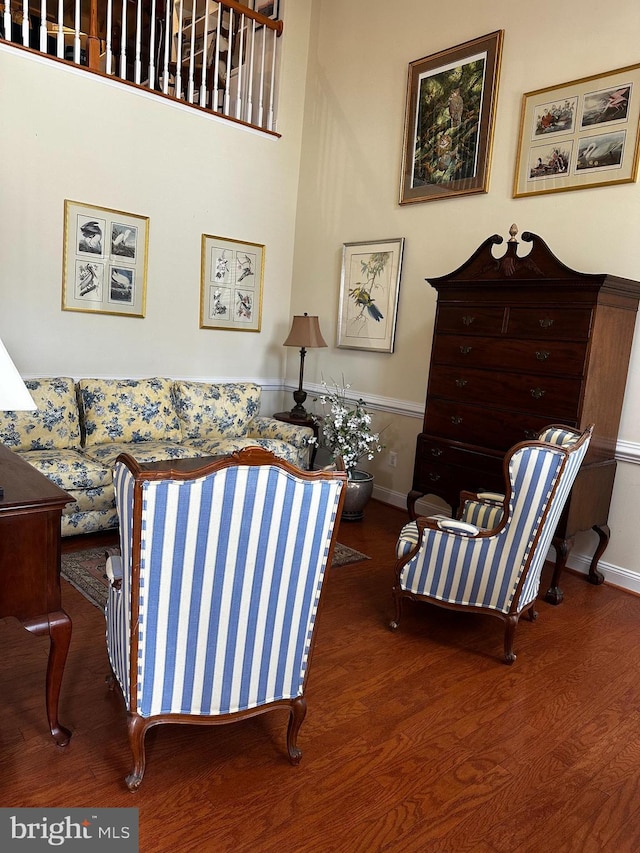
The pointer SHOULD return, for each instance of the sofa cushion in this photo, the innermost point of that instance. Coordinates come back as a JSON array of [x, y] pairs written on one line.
[[142, 451], [216, 410], [54, 424], [69, 469], [127, 410], [223, 446]]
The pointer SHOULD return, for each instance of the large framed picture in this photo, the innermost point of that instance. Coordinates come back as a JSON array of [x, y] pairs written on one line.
[[104, 268], [369, 290], [231, 284], [579, 134], [449, 117]]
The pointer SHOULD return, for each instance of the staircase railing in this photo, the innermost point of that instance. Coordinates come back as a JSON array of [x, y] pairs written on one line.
[[219, 56]]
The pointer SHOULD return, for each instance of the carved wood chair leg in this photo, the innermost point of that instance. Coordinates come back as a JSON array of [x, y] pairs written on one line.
[[532, 612], [137, 727], [509, 632], [296, 717]]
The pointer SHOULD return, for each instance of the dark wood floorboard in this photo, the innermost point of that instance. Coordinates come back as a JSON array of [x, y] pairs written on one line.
[[419, 740]]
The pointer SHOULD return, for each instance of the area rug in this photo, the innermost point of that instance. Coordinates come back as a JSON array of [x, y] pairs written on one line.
[[85, 569]]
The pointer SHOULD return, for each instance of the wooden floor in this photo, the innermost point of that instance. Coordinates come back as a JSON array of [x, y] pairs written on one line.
[[422, 740]]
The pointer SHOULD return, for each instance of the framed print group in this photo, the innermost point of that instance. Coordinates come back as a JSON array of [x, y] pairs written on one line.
[[369, 290], [579, 134], [449, 116], [231, 284], [105, 260]]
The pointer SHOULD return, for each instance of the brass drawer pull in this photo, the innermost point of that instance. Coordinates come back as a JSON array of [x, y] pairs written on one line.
[[468, 320], [461, 382], [436, 451], [456, 419], [542, 354], [465, 350], [434, 477], [536, 393], [546, 322], [531, 434]]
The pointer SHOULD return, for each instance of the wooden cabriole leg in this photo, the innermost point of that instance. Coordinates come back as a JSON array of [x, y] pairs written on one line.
[[604, 534], [58, 626], [137, 728], [563, 548], [296, 717], [509, 632]]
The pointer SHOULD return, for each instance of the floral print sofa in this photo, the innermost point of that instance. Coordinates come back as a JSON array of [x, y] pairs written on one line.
[[80, 428]]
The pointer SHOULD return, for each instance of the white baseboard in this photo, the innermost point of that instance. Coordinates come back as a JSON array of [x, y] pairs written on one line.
[[616, 575]]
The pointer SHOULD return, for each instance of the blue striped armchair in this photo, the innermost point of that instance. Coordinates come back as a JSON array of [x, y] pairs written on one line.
[[214, 597], [490, 559]]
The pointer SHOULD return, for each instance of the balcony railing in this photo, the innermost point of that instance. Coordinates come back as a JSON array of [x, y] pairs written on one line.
[[218, 56]]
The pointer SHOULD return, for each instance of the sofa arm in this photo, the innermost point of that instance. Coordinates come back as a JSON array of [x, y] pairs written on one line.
[[265, 427]]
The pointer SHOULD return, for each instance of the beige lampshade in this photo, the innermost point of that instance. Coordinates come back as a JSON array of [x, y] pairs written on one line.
[[13, 392], [305, 332]]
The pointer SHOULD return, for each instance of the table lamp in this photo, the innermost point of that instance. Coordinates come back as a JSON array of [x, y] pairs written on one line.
[[305, 333], [14, 395]]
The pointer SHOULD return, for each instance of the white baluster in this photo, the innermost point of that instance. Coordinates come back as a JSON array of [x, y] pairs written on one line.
[[76, 35], [43, 25], [270, 118], [123, 43], [205, 57], [7, 20], [178, 91], [261, 96], [109, 56], [25, 22], [240, 69], [192, 46], [216, 63], [227, 81], [152, 48], [167, 36], [249, 100], [60, 38], [137, 74]]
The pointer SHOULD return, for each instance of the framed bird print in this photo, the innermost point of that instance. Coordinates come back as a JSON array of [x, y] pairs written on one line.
[[104, 268], [231, 284], [580, 134], [369, 291], [449, 117]]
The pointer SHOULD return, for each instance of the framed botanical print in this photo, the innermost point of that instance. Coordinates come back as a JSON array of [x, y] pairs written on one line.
[[105, 260], [231, 284], [369, 291]]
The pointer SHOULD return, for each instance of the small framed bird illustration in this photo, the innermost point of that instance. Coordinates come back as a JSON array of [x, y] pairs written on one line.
[[369, 291], [105, 260]]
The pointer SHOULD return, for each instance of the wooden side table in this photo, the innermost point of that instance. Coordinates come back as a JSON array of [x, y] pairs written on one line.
[[302, 420], [30, 515]]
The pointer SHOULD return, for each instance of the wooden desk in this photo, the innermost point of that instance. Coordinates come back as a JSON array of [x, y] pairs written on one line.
[[30, 513]]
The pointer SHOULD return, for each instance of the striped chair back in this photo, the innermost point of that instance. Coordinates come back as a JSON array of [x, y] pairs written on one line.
[[222, 575], [513, 553]]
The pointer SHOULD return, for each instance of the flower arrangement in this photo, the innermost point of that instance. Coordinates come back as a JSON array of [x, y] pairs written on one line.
[[346, 427]]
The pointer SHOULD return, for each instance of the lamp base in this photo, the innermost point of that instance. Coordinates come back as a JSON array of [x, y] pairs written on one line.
[[299, 410]]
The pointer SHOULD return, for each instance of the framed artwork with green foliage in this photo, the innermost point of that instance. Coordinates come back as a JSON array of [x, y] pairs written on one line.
[[449, 117]]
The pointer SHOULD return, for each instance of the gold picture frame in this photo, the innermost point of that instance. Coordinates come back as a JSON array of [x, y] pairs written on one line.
[[580, 134], [104, 268], [232, 272], [449, 118]]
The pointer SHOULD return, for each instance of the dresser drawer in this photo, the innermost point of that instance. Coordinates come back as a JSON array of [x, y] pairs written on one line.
[[470, 319], [546, 358], [498, 429], [527, 392], [569, 324], [443, 470]]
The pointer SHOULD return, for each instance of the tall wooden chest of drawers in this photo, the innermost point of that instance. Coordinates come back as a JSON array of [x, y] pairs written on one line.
[[522, 341]]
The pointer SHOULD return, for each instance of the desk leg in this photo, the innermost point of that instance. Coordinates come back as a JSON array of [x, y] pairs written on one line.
[[58, 626]]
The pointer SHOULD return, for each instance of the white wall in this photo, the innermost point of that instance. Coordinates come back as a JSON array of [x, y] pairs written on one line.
[[67, 135], [349, 186]]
